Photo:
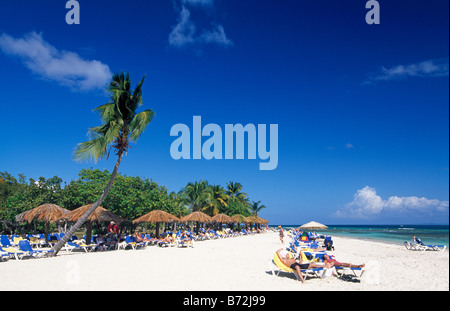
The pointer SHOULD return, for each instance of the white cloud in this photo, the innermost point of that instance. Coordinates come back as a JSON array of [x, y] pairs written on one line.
[[349, 146], [367, 204], [429, 68], [185, 32], [64, 67], [198, 2]]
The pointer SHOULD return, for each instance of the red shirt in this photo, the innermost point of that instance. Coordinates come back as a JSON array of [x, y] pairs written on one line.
[[113, 228]]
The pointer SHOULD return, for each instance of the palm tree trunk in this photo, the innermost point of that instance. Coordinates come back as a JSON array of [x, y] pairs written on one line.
[[83, 218]]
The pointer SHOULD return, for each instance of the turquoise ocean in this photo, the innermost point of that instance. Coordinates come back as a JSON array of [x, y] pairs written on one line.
[[394, 234]]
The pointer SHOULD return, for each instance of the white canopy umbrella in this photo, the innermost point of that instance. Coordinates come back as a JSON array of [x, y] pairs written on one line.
[[313, 225]]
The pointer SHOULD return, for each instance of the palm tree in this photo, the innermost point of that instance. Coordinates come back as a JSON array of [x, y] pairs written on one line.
[[256, 208], [197, 195], [121, 125], [234, 191], [218, 200]]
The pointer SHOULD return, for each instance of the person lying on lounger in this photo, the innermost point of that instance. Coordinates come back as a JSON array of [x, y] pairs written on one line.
[[296, 265], [335, 263]]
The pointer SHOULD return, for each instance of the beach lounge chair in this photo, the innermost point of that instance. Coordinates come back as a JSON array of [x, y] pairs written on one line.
[[357, 272], [130, 241], [168, 244], [4, 256], [25, 246], [276, 265], [14, 252], [185, 242], [71, 246], [328, 243], [5, 241], [418, 245]]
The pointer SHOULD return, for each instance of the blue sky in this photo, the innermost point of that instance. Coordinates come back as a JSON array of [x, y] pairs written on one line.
[[362, 109]]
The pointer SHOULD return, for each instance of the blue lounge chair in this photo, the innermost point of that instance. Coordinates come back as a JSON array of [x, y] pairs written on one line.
[[5, 241], [130, 241], [4, 256], [13, 252], [71, 246], [420, 246], [341, 271], [25, 246], [328, 243]]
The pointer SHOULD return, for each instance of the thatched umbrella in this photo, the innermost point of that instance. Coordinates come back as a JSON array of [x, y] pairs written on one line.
[[239, 219], [156, 216], [198, 217], [222, 218], [99, 215], [264, 221], [47, 213], [253, 220]]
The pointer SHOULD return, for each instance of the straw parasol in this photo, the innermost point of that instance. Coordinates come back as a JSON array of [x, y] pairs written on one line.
[[99, 215], [239, 219], [156, 216], [198, 217], [222, 218], [313, 225], [264, 221], [253, 220], [47, 213]]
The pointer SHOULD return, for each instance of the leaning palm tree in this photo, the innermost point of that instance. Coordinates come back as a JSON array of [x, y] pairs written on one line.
[[121, 125]]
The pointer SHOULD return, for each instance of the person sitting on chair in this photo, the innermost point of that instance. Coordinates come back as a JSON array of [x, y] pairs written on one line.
[[296, 265]]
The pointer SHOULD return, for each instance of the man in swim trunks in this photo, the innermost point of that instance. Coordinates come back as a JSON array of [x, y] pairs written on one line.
[[296, 265], [335, 263]]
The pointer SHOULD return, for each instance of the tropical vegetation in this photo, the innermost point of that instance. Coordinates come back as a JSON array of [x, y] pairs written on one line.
[[129, 197]]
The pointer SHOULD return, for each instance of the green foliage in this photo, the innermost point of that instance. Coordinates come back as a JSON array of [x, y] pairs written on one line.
[[129, 197]]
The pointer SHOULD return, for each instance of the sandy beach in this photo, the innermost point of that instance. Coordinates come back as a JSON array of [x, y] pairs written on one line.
[[230, 264]]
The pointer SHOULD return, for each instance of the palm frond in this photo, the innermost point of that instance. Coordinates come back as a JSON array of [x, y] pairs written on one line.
[[139, 123], [94, 149]]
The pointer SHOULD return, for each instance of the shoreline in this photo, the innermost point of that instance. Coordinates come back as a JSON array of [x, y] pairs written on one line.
[[230, 264]]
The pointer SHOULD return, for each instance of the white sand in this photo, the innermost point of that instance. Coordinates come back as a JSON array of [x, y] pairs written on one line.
[[238, 264]]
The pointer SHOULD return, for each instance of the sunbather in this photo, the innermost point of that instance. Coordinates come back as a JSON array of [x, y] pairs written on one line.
[[296, 265], [333, 262]]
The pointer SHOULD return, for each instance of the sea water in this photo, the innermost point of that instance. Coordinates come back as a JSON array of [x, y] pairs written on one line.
[[396, 234]]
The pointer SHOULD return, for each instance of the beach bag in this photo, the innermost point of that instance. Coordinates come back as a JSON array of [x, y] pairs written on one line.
[[328, 272], [349, 278]]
